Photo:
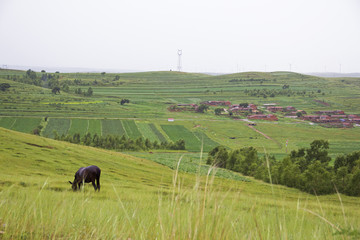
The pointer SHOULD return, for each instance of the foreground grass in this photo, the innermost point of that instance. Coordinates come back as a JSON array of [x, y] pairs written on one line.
[[140, 199]]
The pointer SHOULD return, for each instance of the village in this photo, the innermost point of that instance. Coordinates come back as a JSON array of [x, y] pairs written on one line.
[[272, 112]]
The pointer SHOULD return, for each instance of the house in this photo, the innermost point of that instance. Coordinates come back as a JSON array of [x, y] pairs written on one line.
[[351, 116], [275, 109], [269, 104], [325, 118], [311, 117], [356, 120], [187, 106], [335, 112], [338, 116], [289, 109], [252, 106], [217, 103], [269, 117]]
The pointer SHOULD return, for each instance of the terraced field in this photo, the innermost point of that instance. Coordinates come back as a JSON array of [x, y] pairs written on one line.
[[59, 125], [80, 126], [131, 129], [25, 125], [95, 127], [176, 132], [118, 127], [112, 127]]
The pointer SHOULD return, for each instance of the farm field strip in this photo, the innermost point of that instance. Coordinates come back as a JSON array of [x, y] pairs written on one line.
[[20, 124], [95, 127], [147, 132], [60, 125], [25, 125], [79, 126], [208, 143], [176, 132], [157, 132], [131, 129], [7, 122], [112, 127]]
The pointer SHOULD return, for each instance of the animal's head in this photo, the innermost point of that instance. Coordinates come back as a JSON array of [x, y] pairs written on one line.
[[74, 187]]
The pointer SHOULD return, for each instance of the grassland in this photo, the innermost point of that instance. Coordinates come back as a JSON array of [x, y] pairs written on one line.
[[140, 199], [151, 93], [165, 195]]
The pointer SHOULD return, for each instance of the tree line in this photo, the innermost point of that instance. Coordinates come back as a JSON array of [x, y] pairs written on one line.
[[307, 169], [284, 91], [118, 143]]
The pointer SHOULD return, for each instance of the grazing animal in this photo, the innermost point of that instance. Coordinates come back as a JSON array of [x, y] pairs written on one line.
[[87, 174]]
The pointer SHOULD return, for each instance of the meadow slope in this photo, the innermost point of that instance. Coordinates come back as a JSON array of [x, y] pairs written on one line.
[[140, 199]]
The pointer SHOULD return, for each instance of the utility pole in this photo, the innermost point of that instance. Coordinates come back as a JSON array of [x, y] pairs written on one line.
[[179, 60]]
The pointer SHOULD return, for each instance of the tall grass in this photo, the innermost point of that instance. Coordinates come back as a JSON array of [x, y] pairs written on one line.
[[142, 200], [201, 212]]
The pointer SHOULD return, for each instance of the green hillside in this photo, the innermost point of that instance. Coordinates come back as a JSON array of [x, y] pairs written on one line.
[[165, 193], [152, 93], [140, 199]]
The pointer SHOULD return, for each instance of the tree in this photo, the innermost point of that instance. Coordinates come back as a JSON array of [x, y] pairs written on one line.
[[78, 91], [244, 105], [285, 86], [246, 161], [87, 139], [148, 144], [218, 156], [89, 92], [123, 101], [55, 90], [218, 111], [180, 144], [31, 74], [318, 151], [65, 87], [202, 108], [76, 138], [4, 86], [317, 179]]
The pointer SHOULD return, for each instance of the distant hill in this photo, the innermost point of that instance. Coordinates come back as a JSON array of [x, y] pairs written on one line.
[[334, 75]]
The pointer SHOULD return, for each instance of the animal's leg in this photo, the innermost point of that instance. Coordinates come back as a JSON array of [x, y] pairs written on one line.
[[93, 183], [98, 183]]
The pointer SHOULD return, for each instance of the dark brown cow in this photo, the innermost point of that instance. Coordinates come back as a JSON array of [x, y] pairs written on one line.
[[87, 174]]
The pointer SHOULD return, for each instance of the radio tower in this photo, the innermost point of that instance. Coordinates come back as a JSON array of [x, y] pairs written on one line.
[[179, 60]]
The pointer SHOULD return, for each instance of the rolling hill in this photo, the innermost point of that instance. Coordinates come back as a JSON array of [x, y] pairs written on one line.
[[140, 199]]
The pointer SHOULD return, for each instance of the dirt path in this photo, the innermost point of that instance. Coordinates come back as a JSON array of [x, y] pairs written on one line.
[[266, 136]]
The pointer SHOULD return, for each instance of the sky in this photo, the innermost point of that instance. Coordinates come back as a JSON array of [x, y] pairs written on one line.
[[222, 36]]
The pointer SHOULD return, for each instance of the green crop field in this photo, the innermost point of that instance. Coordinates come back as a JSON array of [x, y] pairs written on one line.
[[95, 127], [176, 132], [157, 132], [7, 122], [131, 129], [147, 132], [59, 125], [112, 127], [80, 126], [26, 125]]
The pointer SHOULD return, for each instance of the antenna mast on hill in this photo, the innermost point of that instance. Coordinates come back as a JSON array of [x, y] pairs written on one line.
[[179, 60]]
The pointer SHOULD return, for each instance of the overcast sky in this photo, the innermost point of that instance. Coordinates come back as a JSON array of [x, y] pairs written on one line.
[[214, 35]]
